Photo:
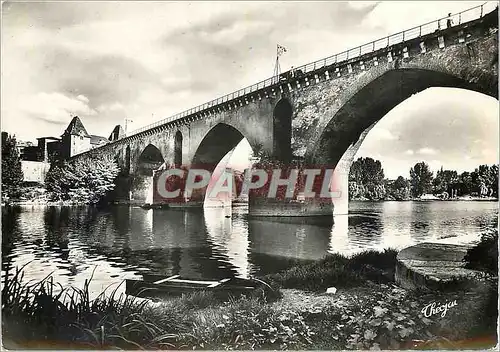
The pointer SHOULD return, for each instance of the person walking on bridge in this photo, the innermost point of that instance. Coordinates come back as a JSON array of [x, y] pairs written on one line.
[[449, 21]]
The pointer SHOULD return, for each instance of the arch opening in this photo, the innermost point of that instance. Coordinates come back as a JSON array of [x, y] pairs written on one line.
[[371, 103], [223, 150], [282, 130], [346, 130], [178, 149], [127, 160], [149, 161]]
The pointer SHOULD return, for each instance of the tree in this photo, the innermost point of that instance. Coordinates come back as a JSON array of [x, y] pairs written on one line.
[[366, 170], [12, 173], [421, 179], [366, 179], [84, 180], [399, 189], [493, 180], [444, 181]]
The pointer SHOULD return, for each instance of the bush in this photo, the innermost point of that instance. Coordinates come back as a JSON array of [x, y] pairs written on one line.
[[484, 256], [84, 180]]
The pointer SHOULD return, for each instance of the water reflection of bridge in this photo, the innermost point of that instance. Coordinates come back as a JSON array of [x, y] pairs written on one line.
[[190, 243], [124, 241]]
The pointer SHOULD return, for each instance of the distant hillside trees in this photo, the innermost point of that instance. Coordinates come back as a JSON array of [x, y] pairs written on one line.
[[82, 181], [12, 174], [485, 180]]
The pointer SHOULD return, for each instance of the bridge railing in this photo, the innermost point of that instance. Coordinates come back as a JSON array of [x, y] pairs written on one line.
[[397, 38]]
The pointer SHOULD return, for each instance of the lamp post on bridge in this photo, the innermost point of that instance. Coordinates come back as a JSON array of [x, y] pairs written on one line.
[[126, 125], [280, 50]]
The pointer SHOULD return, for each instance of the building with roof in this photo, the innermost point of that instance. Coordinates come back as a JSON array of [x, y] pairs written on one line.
[[76, 140], [118, 132], [21, 145]]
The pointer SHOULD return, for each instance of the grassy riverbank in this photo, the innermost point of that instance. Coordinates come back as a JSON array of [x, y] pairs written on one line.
[[367, 311]]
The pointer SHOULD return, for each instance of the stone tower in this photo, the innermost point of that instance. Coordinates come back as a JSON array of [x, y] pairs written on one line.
[[75, 139]]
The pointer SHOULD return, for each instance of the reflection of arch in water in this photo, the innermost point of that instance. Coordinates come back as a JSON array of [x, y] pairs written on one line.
[[177, 244], [363, 229], [339, 240], [231, 238], [299, 241]]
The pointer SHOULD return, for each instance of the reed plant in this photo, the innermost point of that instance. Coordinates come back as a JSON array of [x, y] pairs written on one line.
[[35, 313], [44, 314]]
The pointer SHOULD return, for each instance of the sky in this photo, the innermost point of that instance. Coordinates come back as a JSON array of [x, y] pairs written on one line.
[[144, 61]]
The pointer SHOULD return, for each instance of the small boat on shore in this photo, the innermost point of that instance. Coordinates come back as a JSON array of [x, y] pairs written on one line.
[[161, 286]]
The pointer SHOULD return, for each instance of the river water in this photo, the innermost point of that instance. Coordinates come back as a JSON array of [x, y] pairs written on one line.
[[124, 242]]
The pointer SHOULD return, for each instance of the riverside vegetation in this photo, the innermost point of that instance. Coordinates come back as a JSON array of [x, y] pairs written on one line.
[[367, 312], [367, 182]]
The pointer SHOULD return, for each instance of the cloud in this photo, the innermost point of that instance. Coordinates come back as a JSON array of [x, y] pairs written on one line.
[[115, 106], [82, 98], [361, 4], [55, 108], [427, 151], [383, 134], [178, 55], [409, 152]]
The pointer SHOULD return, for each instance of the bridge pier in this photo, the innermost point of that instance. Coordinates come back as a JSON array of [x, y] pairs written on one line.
[[287, 194], [141, 191], [121, 193], [302, 210], [340, 183]]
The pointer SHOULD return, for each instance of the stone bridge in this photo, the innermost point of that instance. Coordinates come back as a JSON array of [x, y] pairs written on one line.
[[318, 114]]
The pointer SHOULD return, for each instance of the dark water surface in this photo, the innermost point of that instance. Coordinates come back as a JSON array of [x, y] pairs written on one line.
[[123, 242]]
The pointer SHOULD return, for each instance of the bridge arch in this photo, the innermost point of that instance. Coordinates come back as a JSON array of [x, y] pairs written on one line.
[[372, 102], [345, 131], [216, 144], [178, 149], [282, 130], [149, 160], [127, 159], [219, 140]]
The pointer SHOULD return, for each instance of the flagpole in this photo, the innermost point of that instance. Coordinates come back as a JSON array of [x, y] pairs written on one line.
[[277, 68]]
